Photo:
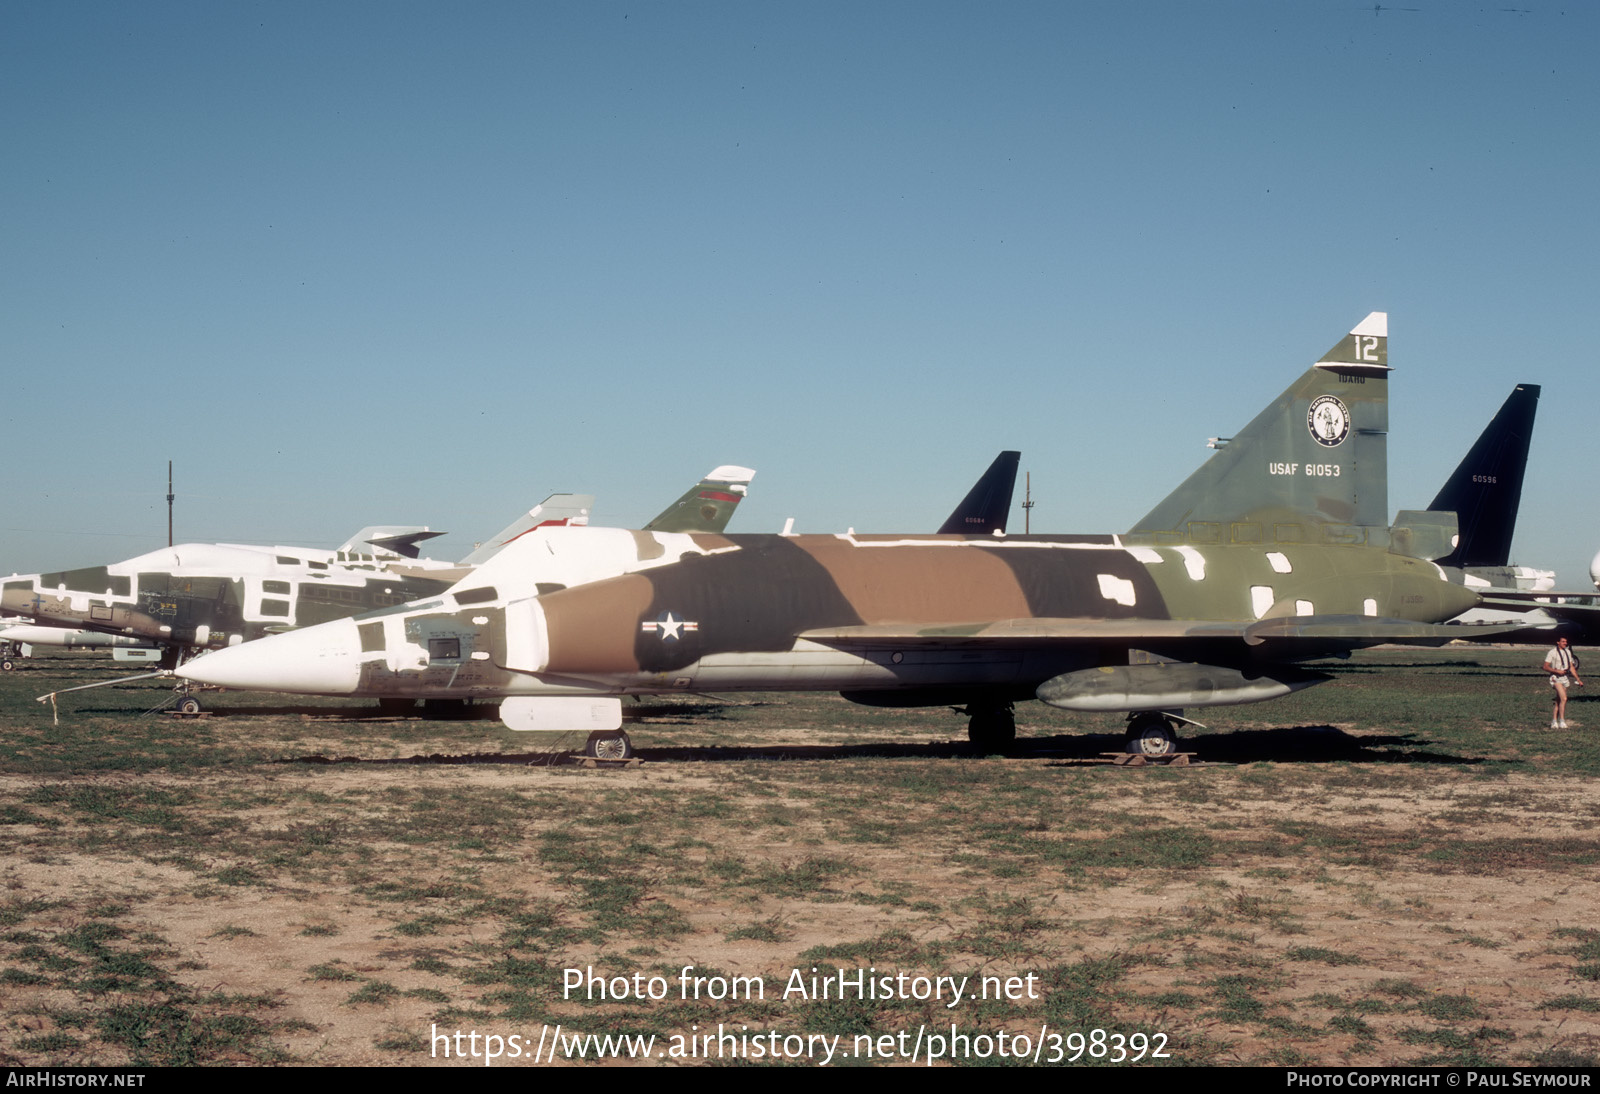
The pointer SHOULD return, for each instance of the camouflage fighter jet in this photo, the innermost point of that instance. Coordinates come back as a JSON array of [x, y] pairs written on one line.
[[556, 558], [200, 596], [1275, 552]]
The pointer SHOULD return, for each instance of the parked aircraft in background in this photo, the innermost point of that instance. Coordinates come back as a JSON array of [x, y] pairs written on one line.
[[987, 506], [1275, 552], [1485, 491], [1520, 604], [194, 597], [19, 636], [708, 505]]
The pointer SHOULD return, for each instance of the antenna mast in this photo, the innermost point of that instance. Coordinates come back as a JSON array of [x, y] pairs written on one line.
[[1027, 505], [169, 503]]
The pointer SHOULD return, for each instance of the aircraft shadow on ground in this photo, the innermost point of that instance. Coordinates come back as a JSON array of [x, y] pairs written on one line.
[[1292, 744], [1475, 667], [365, 714], [453, 711]]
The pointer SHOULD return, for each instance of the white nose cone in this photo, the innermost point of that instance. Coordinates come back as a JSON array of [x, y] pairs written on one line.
[[1594, 570], [320, 660]]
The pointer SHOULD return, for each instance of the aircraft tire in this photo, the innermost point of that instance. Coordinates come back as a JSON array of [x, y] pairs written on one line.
[[612, 744], [992, 728], [7, 665], [1151, 735], [189, 705]]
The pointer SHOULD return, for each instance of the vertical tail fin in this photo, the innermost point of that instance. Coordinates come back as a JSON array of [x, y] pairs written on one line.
[[388, 540], [1486, 488], [709, 504], [987, 505], [1311, 468], [559, 509]]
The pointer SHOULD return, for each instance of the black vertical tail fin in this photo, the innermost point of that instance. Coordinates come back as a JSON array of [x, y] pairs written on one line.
[[1486, 488], [987, 505], [1311, 468]]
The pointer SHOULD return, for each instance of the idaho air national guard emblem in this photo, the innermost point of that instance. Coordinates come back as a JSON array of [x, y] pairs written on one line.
[[1328, 421]]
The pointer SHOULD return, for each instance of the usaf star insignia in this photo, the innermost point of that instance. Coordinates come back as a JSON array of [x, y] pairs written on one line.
[[670, 627]]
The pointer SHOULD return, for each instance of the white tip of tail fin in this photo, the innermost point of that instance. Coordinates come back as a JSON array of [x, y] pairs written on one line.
[[1377, 323], [1364, 351], [731, 473]]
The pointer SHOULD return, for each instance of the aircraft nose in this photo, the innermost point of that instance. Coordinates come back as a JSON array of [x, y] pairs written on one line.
[[320, 660]]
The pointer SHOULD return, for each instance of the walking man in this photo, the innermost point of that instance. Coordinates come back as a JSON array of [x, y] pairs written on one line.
[[1562, 665]]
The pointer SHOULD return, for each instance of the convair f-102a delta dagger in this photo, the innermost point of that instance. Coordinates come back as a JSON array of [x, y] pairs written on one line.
[[1276, 551]]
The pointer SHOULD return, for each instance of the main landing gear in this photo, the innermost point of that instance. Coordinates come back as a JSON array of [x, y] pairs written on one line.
[[609, 744], [1152, 733], [991, 727]]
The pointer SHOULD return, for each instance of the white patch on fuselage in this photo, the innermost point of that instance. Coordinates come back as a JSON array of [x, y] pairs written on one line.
[[1304, 607], [1280, 562], [1369, 606], [1194, 562], [1116, 588], [1147, 555], [572, 556], [1472, 581], [1261, 599], [400, 654]]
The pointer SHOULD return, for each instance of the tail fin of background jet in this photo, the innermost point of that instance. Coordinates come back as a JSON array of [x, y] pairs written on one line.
[[557, 509], [1311, 468], [1486, 489], [709, 505], [987, 505], [389, 540]]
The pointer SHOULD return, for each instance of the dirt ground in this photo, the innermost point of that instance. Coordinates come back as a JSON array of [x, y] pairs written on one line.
[[1387, 921]]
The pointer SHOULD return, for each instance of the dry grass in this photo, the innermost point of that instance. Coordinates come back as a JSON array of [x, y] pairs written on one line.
[[1394, 868]]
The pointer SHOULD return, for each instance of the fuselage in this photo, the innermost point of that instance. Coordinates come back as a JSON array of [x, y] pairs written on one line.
[[848, 613]]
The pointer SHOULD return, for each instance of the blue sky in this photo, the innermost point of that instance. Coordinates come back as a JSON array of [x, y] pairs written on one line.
[[355, 263]]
